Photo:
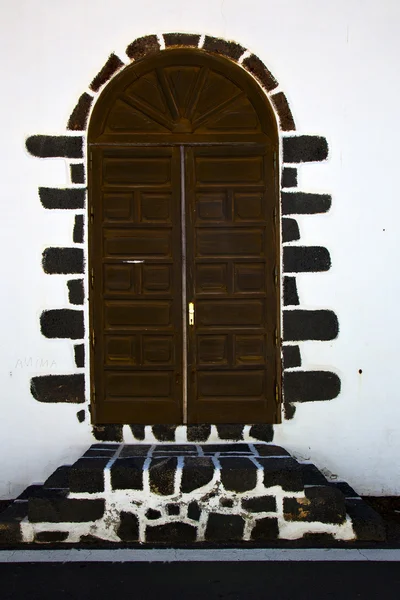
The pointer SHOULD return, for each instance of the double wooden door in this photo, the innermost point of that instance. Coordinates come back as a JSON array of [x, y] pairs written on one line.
[[183, 298]]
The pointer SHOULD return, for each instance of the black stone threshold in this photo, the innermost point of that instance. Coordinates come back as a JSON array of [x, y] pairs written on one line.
[[224, 495]]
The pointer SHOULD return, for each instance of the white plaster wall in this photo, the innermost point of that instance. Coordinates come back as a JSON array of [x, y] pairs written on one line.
[[337, 61]]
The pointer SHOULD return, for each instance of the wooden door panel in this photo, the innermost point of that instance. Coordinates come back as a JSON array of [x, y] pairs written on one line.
[[136, 296], [232, 262]]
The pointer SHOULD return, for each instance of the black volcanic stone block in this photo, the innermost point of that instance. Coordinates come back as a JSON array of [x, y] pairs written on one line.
[[128, 530], [291, 357], [312, 475], [31, 491], [138, 431], [224, 528], [10, 519], [77, 234], [181, 39], [284, 472], [52, 146], [55, 507], [226, 502], [51, 537], [79, 116], [257, 68], [62, 323], [218, 46], [127, 474], [264, 433], [153, 514], [346, 489], [301, 325], [265, 529], [173, 509], [198, 433], [162, 475], [230, 432], [135, 450], [164, 433], [174, 449], [87, 475], [171, 533], [112, 65], [290, 230], [108, 432], [143, 46], [306, 259], [238, 474], [62, 198], [194, 511], [290, 295], [226, 448], [368, 525], [63, 261], [304, 148], [321, 503], [271, 450], [96, 452], [197, 472], [282, 107], [76, 292], [260, 504], [59, 479], [303, 203], [79, 355], [310, 386], [289, 177], [77, 173], [59, 388]]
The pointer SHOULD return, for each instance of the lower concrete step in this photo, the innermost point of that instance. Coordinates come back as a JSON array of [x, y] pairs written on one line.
[[188, 493]]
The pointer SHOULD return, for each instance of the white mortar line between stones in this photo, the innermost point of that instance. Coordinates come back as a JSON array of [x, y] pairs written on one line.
[[201, 40], [245, 55]]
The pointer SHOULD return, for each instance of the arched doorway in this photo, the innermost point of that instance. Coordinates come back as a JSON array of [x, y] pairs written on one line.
[[184, 245]]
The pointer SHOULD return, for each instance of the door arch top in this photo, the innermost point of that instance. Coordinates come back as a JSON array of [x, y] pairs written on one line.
[[183, 95]]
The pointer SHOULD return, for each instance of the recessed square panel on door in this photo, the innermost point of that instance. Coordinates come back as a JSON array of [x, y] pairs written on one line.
[[136, 296], [232, 263]]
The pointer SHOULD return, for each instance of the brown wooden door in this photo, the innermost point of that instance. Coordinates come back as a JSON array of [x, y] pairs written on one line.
[[173, 226]]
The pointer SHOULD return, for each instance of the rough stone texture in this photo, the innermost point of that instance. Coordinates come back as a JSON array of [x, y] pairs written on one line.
[[79, 116], [290, 295], [175, 449], [108, 433], [271, 450], [321, 503], [63, 261], [312, 475], [76, 291], [285, 472], [30, 491], [309, 386], [54, 507], [59, 388], [227, 449], [112, 65], [367, 523], [173, 509], [78, 232], [10, 519], [346, 489], [79, 354], [62, 198], [197, 472], [289, 177], [198, 433], [302, 203], [52, 146], [226, 502], [62, 323], [238, 474], [127, 474], [257, 68], [291, 357], [260, 504], [153, 514], [81, 415], [77, 173], [309, 325], [181, 39], [289, 410], [194, 511], [218, 46], [304, 148], [230, 432], [128, 530], [224, 528], [162, 475], [135, 450], [265, 529], [51, 536], [262, 432], [138, 431], [171, 533], [143, 46], [164, 433], [59, 479], [281, 104], [302, 259], [87, 475], [99, 451], [290, 230]]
